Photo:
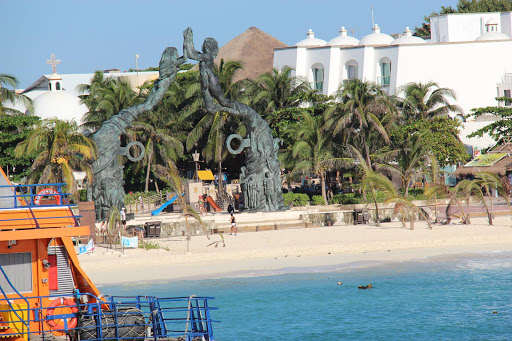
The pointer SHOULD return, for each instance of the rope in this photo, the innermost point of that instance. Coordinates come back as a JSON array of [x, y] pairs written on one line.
[[188, 312]]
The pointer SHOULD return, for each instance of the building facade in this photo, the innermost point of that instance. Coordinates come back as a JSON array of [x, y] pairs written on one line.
[[469, 53]]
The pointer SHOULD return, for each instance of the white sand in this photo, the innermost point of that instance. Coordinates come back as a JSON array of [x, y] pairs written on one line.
[[268, 252]]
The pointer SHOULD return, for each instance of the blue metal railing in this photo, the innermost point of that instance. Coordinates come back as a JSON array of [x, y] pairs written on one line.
[[30, 196], [118, 318]]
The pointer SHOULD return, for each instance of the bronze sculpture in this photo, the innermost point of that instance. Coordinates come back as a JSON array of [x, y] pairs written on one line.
[[107, 188], [261, 147]]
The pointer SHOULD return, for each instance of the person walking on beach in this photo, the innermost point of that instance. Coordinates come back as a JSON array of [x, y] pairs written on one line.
[[123, 216], [103, 231], [141, 201], [233, 224]]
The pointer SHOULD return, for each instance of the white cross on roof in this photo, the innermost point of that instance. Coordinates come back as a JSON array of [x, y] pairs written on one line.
[[53, 62]]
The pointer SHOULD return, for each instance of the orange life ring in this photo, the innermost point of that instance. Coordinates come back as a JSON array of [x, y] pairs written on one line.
[[47, 192], [67, 303]]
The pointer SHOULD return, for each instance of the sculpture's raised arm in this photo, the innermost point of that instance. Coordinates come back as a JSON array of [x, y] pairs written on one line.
[[108, 189], [210, 84]]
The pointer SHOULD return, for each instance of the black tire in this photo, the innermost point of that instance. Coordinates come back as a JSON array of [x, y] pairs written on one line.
[[44, 336], [130, 325]]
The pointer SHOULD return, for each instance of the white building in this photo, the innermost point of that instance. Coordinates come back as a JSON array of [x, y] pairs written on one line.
[[56, 95], [469, 53]]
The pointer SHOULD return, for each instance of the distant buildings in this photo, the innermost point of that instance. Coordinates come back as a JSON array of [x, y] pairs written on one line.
[[469, 53], [56, 95]]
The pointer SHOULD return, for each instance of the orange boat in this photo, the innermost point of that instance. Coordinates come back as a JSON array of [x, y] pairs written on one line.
[[45, 294]]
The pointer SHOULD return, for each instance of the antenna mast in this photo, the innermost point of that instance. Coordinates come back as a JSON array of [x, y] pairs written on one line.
[[373, 20]]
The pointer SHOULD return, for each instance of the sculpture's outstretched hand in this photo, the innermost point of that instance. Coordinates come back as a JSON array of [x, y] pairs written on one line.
[[187, 34]]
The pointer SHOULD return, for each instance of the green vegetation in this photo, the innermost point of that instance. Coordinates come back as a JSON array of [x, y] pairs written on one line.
[[318, 200], [151, 245], [360, 137], [60, 149], [296, 199]]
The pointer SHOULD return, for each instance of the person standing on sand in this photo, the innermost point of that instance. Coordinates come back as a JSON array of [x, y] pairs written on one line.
[[123, 216], [103, 231], [233, 224]]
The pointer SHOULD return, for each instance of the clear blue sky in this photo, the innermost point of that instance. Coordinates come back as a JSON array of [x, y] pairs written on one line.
[[103, 34]]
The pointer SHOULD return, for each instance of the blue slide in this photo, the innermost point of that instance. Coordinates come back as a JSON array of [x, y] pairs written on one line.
[[164, 205]]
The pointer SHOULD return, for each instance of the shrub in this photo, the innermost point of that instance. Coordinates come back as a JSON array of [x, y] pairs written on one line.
[[295, 199], [150, 245], [346, 199], [82, 194], [317, 200]]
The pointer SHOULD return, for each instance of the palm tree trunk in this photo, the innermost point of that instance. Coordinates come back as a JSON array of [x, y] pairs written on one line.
[[466, 218], [147, 173], [490, 199], [322, 181], [411, 220], [220, 177], [482, 198], [435, 209], [377, 218], [402, 217]]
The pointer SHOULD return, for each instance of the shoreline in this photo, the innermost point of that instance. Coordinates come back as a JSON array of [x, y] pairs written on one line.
[[268, 253]]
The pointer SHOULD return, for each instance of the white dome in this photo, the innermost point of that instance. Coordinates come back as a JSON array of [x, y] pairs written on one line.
[[59, 104], [376, 38], [493, 36], [311, 40], [343, 39], [407, 39], [491, 21]]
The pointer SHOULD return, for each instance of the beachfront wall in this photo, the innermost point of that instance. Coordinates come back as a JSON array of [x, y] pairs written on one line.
[[467, 53]]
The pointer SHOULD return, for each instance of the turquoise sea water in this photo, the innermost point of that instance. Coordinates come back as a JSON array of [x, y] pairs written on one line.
[[439, 299]]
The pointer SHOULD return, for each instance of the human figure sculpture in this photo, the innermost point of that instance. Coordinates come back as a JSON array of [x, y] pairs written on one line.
[[107, 189], [261, 156], [268, 186]]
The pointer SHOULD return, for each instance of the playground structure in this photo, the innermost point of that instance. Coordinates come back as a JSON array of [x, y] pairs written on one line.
[[167, 201]]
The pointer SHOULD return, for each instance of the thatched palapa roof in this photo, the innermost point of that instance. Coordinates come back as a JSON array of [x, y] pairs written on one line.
[[500, 168], [255, 49]]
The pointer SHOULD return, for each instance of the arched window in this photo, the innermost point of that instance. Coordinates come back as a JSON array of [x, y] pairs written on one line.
[[352, 70], [318, 77], [50, 86], [57, 86], [385, 72]]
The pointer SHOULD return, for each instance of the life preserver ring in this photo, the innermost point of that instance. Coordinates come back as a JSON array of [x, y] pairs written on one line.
[[67, 303], [47, 192]]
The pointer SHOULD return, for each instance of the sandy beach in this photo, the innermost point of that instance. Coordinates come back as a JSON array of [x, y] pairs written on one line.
[[279, 251]]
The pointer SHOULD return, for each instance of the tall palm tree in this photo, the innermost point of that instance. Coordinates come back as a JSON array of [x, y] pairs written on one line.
[[363, 111], [61, 149], [161, 147], [105, 97], [9, 96], [277, 90], [406, 160], [314, 150], [426, 100]]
